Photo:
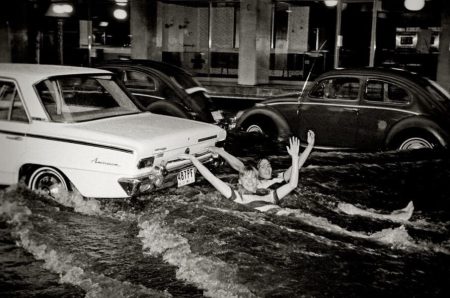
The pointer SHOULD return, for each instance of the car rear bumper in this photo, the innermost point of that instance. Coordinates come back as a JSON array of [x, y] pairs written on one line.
[[160, 177]]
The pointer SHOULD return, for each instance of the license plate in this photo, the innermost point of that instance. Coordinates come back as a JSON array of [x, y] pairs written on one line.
[[186, 176]]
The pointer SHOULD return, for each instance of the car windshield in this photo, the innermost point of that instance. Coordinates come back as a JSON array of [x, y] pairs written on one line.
[[83, 98]]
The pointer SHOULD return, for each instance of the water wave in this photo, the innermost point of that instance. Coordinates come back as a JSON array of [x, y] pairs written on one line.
[[215, 276], [94, 284]]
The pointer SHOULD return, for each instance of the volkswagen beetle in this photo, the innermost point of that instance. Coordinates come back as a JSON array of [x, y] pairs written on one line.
[[359, 109]]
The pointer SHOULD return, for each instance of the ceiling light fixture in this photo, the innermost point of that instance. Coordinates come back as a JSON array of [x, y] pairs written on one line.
[[122, 2], [120, 14], [414, 5], [331, 3]]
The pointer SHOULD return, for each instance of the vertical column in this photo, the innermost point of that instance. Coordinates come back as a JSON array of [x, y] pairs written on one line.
[[254, 42], [373, 35], [5, 45], [17, 28], [338, 42], [143, 29], [443, 70], [60, 40]]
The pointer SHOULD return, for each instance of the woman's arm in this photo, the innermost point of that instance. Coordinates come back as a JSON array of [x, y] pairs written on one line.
[[233, 161], [218, 184], [303, 157], [293, 150]]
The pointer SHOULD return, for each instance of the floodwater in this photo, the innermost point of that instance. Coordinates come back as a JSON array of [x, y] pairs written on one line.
[[190, 242]]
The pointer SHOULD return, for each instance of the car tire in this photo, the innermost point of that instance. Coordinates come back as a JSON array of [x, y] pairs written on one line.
[[416, 142], [48, 180], [261, 127]]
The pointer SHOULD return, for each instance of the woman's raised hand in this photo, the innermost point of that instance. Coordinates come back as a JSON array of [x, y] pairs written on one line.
[[311, 137], [294, 146]]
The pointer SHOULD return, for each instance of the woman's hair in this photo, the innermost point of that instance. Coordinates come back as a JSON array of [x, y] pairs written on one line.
[[261, 161], [248, 170]]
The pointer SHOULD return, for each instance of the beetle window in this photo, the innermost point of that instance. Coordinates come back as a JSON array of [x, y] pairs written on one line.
[[318, 90], [139, 80], [381, 91], [11, 107], [397, 94], [374, 91], [336, 88]]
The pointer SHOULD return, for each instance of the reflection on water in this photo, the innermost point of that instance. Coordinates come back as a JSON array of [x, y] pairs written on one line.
[[190, 242]]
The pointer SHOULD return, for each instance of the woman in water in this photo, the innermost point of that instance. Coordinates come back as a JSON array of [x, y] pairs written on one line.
[[247, 191], [264, 168]]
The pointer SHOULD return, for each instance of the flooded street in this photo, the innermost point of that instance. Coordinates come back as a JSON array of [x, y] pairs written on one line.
[[191, 242]]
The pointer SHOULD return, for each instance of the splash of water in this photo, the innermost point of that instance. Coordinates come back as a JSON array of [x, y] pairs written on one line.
[[75, 200], [95, 285], [396, 238], [216, 277]]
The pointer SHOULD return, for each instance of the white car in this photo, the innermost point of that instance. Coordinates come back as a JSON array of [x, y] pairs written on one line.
[[67, 127]]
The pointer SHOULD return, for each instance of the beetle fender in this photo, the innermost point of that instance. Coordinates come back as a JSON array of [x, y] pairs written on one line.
[[168, 108], [280, 122], [417, 124]]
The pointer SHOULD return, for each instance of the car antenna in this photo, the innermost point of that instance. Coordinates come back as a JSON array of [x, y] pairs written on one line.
[[307, 77]]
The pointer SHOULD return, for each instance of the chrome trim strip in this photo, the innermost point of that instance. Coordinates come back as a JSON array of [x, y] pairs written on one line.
[[207, 138], [147, 95], [80, 143], [39, 119], [236, 97], [347, 106], [195, 89], [21, 134]]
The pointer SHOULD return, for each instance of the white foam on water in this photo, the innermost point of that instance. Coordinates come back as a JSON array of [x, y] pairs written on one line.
[[95, 285], [80, 204], [397, 238], [216, 277]]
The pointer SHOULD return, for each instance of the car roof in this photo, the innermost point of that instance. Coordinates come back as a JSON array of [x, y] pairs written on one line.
[[36, 72], [390, 72], [163, 67]]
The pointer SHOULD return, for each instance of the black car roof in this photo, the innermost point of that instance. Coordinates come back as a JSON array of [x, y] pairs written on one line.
[[163, 67], [390, 72]]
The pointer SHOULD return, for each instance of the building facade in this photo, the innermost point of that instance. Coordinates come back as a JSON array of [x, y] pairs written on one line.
[[249, 41]]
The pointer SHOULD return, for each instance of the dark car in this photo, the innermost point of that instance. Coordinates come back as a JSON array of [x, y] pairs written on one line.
[[165, 89], [359, 109]]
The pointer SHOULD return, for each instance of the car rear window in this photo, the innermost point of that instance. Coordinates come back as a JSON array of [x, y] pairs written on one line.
[[83, 98], [386, 92]]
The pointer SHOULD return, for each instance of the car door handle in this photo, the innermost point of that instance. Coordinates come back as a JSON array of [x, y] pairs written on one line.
[[16, 138]]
